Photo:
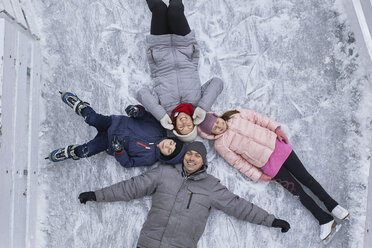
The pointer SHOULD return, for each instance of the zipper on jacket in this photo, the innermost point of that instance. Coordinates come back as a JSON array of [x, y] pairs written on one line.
[[188, 204], [145, 146]]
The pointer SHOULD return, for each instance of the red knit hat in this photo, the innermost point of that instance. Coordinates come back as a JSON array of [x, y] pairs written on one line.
[[183, 107]]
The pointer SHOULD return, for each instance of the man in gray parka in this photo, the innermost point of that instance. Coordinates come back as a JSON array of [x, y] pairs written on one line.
[[173, 56], [182, 197]]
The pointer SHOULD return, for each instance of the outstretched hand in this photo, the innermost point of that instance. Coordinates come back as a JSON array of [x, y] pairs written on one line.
[[265, 178], [281, 135], [87, 196], [284, 225]]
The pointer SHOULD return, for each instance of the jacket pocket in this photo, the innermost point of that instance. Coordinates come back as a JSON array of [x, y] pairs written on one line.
[[186, 52], [190, 197], [197, 199], [151, 53], [160, 55]]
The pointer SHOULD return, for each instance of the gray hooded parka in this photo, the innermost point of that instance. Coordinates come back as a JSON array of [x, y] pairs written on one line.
[[180, 205], [173, 61]]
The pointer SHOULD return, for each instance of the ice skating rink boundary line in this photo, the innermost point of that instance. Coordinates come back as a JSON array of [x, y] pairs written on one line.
[[363, 11], [368, 230]]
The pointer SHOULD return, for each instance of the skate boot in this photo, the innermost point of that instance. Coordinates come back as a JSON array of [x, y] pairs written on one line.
[[73, 101], [326, 229], [63, 154], [340, 213]]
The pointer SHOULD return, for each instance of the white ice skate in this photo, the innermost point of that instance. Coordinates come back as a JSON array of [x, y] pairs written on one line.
[[328, 231], [340, 213]]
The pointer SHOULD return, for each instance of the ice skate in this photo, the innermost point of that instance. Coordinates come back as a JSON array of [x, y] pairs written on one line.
[[63, 154], [332, 234], [73, 101], [328, 230], [340, 213]]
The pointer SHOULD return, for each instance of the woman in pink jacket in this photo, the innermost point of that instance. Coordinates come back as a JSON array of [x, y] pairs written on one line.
[[257, 147]]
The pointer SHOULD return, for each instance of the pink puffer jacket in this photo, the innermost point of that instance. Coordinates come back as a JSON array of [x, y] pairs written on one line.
[[247, 143]]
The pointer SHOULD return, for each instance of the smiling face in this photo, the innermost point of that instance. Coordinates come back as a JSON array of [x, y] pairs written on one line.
[[219, 126], [167, 146], [192, 161], [184, 123]]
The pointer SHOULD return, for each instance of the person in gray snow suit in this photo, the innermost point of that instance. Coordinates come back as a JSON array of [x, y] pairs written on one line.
[[182, 198], [178, 100], [137, 140]]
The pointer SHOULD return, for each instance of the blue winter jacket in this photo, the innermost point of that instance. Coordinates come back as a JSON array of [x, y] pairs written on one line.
[[141, 135]]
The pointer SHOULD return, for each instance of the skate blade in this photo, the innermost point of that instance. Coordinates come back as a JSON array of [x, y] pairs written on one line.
[[60, 92], [50, 157], [346, 217], [332, 234]]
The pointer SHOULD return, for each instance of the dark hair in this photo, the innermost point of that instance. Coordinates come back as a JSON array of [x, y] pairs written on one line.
[[227, 115], [179, 146]]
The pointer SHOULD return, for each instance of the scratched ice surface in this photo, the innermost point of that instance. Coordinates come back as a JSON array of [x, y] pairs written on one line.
[[293, 60]]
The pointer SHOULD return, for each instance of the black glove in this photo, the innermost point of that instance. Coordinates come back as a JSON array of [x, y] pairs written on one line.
[[134, 111], [117, 145], [87, 196], [284, 225]]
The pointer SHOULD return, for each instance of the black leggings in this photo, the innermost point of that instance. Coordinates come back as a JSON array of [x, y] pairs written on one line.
[[293, 168], [168, 20]]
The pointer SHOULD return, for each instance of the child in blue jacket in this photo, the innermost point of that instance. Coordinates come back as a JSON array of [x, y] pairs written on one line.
[[138, 140]]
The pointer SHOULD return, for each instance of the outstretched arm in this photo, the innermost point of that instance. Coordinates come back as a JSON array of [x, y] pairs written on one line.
[[233, 205], [134, 188]]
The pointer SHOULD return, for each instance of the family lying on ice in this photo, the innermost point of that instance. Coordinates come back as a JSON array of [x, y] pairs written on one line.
[[183, 193]]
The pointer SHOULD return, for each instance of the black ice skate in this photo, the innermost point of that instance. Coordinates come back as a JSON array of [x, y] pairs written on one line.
[[63, 154], [73, 101]]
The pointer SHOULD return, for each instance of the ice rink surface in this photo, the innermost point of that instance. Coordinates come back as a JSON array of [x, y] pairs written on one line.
[[294, 60]]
